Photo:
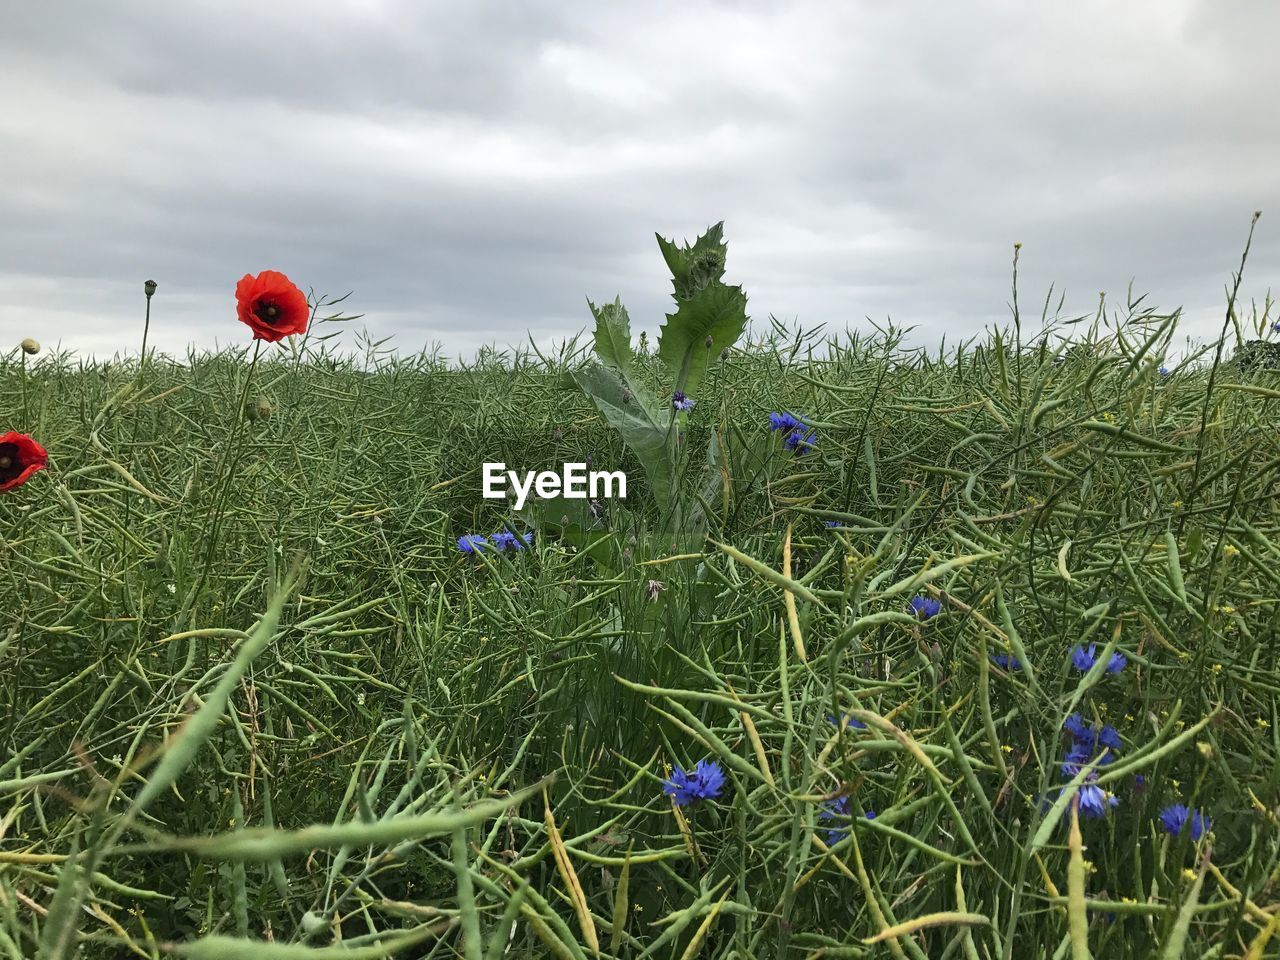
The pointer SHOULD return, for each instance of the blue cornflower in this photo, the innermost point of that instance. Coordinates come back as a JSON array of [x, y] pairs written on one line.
[[1077, 757], [505, 538], [1094, 801], [1006, 661], [1076, 726], [832, 524], [1088, 742], [703, 782], [800, 441], [681, 402], [1083, 660], [851, 722], [1164, 371], [837, 809], [1175, 817], [923, 607], [471, 543], [1109, 737], [783, 421]]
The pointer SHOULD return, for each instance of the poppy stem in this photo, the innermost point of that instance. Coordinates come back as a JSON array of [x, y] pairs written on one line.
[[26, 424], [149, 289]]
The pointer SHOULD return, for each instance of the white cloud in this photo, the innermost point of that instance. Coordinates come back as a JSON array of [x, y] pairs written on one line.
[[474, 173]]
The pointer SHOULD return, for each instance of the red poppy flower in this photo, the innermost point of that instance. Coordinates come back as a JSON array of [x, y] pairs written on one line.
[[20, 457], [271, 305]]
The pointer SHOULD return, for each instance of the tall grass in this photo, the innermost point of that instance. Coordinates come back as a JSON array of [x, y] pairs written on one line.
[[257, 703]]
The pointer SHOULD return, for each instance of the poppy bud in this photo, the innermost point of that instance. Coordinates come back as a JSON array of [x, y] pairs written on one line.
[[626, 396], [259, 409], [708, 341], [149, 287], [30, 346], [312, 922]]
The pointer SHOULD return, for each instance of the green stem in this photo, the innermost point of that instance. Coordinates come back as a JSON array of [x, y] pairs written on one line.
[[227, 474], [26, 422]]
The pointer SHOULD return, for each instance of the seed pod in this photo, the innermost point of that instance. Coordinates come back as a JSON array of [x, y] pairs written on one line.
[[30, 346], [149, 288]]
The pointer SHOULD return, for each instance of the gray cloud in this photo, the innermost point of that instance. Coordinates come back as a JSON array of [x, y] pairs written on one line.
[[474, 172]]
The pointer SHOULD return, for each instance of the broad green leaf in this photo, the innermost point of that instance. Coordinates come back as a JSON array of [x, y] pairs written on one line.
[[631, 412], [718, 312]]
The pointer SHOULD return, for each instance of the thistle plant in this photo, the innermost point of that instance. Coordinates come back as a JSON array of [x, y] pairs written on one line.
[[651, 417]]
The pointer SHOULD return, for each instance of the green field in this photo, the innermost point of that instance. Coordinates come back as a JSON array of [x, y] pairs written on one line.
[[253, 691]]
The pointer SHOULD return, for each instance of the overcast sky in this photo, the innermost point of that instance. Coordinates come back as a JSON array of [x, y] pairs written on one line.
[[475, 170]]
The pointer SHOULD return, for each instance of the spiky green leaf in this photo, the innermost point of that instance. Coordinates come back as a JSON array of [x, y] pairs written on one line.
[[718, 312], [613, 334], [693, 268]]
